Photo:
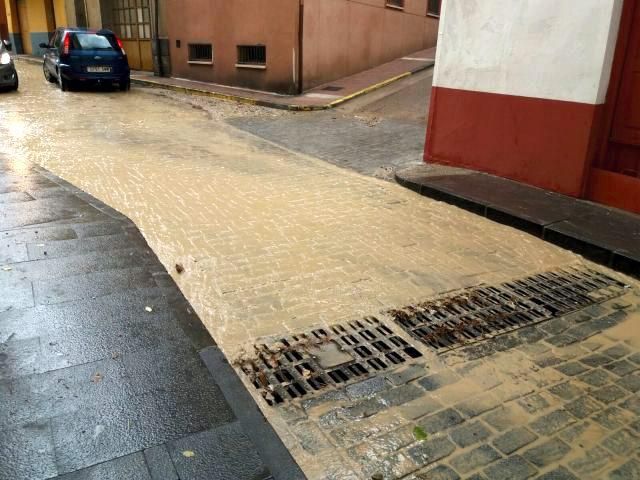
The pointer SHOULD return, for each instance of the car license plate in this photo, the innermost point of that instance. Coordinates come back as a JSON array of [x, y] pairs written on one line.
[[99, 69]]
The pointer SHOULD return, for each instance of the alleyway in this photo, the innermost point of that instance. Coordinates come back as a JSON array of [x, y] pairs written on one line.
[[274, 242]]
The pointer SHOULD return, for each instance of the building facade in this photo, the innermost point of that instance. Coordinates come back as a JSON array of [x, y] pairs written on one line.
[[545, 92], [31, 22], [289, 46]]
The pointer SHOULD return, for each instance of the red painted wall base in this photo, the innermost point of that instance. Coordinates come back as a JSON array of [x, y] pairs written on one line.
[[546, 143]]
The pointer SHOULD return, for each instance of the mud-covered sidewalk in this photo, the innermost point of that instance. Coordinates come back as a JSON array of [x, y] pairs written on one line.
[[104, 367]]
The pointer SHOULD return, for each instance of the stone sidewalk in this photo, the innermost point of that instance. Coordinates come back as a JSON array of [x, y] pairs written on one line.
[[322, 97], [101, 374]]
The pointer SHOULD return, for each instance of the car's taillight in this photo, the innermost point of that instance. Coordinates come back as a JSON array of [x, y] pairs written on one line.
[[67, 44], [120, 45]]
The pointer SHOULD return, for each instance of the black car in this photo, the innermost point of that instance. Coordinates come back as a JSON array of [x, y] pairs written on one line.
[[81, 55], [8, 74]]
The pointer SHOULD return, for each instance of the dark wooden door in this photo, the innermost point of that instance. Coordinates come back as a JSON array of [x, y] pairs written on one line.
[[615, 176], [624, 149]]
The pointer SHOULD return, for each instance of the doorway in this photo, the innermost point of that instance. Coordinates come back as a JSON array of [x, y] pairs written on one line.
[[615, 176], [132, 23]]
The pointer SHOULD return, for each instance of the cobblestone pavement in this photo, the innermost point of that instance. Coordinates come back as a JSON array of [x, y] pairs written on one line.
[[273, 242], [558, 401], [374, 135]]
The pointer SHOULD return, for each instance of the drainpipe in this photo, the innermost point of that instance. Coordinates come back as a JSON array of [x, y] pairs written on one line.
[[156, 18], [300, 42]]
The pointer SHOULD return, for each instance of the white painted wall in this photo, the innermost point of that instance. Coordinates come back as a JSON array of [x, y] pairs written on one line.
[[552, 49]]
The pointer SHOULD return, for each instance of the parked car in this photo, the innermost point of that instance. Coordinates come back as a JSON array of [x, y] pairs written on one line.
[[8, 74], [81, 55]]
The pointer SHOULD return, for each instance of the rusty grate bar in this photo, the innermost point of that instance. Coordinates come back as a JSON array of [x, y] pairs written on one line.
[[486, 311], [299, 365]]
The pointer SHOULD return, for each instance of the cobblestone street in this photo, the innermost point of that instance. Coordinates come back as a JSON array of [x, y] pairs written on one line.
[[266, 242]]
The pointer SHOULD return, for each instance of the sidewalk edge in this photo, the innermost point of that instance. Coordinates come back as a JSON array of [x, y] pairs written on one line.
[[274, 454], [277, 105], [612, 258]]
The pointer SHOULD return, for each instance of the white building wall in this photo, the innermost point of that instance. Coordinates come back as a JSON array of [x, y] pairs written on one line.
[[551, 49]]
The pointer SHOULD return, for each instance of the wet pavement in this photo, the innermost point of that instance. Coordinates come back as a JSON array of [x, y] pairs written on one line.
[[102, 360], [276, 240]]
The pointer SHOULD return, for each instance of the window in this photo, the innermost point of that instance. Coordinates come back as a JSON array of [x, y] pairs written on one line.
[[399, 4], [433, 8], [132, 19], [200, 53], [92, 41], [252, 56]]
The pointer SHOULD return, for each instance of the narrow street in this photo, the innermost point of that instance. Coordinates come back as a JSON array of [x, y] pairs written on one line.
[[273, 223]]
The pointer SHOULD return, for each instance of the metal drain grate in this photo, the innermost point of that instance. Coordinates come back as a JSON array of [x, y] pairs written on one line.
[[484, 312], [302, 364]]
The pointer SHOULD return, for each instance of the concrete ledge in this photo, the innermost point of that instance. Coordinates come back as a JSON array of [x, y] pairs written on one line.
[[602, 234]]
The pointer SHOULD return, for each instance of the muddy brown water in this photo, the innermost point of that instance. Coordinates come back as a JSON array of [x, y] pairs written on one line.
[[270, 241]]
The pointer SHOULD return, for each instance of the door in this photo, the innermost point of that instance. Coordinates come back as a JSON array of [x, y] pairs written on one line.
[[23, 18], [615, 178], [132, 23]]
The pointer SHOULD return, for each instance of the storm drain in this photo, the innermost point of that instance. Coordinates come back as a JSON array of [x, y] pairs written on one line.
[[299, 365], [486, 311]]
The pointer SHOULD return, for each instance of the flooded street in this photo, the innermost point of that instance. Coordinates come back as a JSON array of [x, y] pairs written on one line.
[[270, 241], [267, 242]]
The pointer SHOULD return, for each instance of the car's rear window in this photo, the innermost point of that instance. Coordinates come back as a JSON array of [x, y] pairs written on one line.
[[91, 41]]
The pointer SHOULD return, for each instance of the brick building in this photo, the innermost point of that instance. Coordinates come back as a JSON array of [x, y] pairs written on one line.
[[293, 45], [546, 92]]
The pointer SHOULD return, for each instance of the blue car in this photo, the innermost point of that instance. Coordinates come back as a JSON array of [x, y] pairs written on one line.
[[80, 55], [8, 74]]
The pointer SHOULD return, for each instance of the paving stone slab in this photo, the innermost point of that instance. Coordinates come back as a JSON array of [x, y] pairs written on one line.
[[628, 471], [591, 462], [95, 284], [622, 442], [27, 452], [630, 382], [441, 421], [429, 451], [596, 378], [476, 458], [469, 434], [511, 468], [613, 418], [514, 440], [131, 467], [441, 472], [547, 453], [552, 422], [559, 473], [160, 464], [224, 453], [583, 407]]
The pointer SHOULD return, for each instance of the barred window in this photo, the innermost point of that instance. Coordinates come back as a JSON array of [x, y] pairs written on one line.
[[200, 53], [433, 8], [395, 4], [252, 55]]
